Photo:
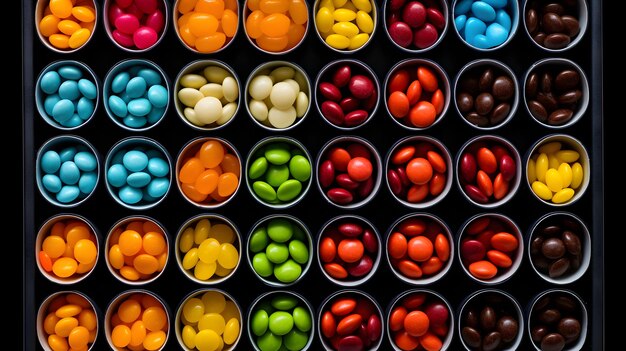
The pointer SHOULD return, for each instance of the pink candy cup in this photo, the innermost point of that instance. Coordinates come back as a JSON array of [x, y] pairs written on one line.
[[126, 40], [147, 6], [156, 21], [145, 37], [127, 23]]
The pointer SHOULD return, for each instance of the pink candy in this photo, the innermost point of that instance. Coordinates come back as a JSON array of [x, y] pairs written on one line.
[[136, 24]]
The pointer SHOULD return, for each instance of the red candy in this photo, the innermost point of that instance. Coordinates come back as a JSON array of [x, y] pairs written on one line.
[[415, 25], [351, 322], [136, 24], [347, 94]]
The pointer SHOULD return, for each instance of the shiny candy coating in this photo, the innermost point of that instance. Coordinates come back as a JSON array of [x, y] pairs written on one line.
[[484, 25], [556, 321], [346, 25], [276, 26], [206, 26], [557, 182], [138, 321], [554, 25], [490, 320], [350, 321], [69, 321], [415, 25], [136, 25], [67, 25]]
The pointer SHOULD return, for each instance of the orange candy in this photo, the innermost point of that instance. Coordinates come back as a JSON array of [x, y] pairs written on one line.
[[397, 245], [483, 269], [420, 248], [69, 322], [68, 24], [427, 79], [504, 242], [136, 318], [405, 341], [423, 114], [396, 318], [416, 323], [207, 25], [486, 160], [431, 342], [276, 25], [484, 183], [500, 259], [399, 104], [419, 171], [415, 97], [403, 155], [350, 250], [340, 158]]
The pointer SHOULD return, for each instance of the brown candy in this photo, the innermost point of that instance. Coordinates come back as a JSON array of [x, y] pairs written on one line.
[[553, 248], [488, 324], [552, 342], [555, 322], [508, 328], [553, 25], [556, 248], [553, 93]]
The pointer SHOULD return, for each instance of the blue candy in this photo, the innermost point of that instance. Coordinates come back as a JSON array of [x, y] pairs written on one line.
[[87, 88], [69, 90], [67, 194], [483, 11], [151, 76], [497, 4], [138, 179], [50, 162], [462, 7], [158, 167], [63, 110], [135, 161], [487, 24], [49, 102], [132, 121], [73, 122], [474, 27], [87, 182], [157, 94], [50, 82], [85, 161], [158, 187], [155, 115], [503, 18], [68, 153], [52, 183], [69, 173], [136, 87], [130, 195], [85, 108], [116, 175], [118, 84], [118, 106], [496, 34], [139, 107], [147, 197], [70, 72], [459, 22]]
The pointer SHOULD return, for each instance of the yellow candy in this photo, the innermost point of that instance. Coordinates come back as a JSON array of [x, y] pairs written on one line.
[[53, 246], [153, 243], [129, 311], [541, 167], [193, 309], [566, 174], [214, 302], [363, 5], [358, 40], [65, 325], [84, 13], [186, 240], [87, 318], [154, 340], [57, 343], [137, 333], [208, 250], [228, 256], [553, 162], [78, 338], [549, 148], [554, 180], [49, 25], [577, 175], [129, 273], [541, 190], [339, 3], [207, 340], [531, 172], [324, 20], [563, 195], [338, 41], [347, 29], [212, 321], [154, 318], [221, 271], [79, 38], [204, 271], [64, 267], [328, 4], [231, 331], [61, 8], [85, 251], [568, 156], [344, 15], [203, 227], [189, 336], [191, 259], [223, 232], [121, 335], [365, 22], [230, 311]]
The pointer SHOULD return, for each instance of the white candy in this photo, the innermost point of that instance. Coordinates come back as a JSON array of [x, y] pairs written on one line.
[[282, 118], [192, 81], [294, 85], [283, 95], [212, 89], [189, 96], [281, 73], [190, 114], [260, 87], [301, 79], [215, 74], [258, 109], [302, 104], [228, 112], [230, 89], [208, 109]]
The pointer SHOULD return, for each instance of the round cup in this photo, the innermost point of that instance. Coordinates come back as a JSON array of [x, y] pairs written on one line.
[[483, 63], [373, 14], [444, 230], [507, 224], [246, 13], [132, 65], [295, 144], [116, 230], [443, 151], [444, 85], [45, 231], [197, 67], [134, 142], [109, 26], [447, 340], [300, 77], [188, 151], [585, 240], [582, 316], [40, 96], [445, 11], [513, 183], [376, 163], [583, 103], [40, 13], [501, 297], [272, 281], [583, 18], [197, 295], [263, 301], [328, 229], [513, 11], [345, 293], [53, 300], [58, 144], [325, 76], [213, 219], [115, 304], [571, 143]]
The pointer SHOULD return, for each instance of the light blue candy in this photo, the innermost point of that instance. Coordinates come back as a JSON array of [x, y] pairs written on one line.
[[132, 121], [157, 94], [63, 110], [67, 194], [52, 183], [85, 161], [153, 153], [69, 90], [69, 173], [158, 187], [462, 7], [496, 34], [147, 197], [483, 11], [459, 22], [138, 179], [130, 195], [158, 167], [135, 161], [119, 82], [118, 106], [151, 76], [117, 158], [73, 122], [503, 18], [497, 4], [70, 72], [125, 97], [50, 162], [116, 175], [473, 27], [49, 102], [84, 108], [134, 70], [139, 107], [87, 182], [136, 87], [50, 82], [155, 114], [68, 153], [87, 88]]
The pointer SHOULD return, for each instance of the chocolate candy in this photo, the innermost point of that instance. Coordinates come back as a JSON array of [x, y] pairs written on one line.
[[486, 93], [556, 246], [489, 321], [553, 24], [554, 93], [556, 321]]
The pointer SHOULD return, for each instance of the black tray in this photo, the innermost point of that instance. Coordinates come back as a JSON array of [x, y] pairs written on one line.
[[101, 54]]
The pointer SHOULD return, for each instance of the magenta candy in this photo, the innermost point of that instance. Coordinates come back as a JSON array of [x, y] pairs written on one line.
[[361, 87], [114, 12], [468, 167], [355, 118], [134, 10], [475, 194], [426, 36], [333, 112], [349, 104], [393, 18], [414, 14], [344, 181], [436, 18], [340, 196], [156, 21], [361, 268], [342, 76], [326, 173], [125, 40], [374, 327], [350, 229], [330, 91], [123, 3], [396, 4], [401, 34], [350, 343], [473, 250], [136, 24], [127, 23], [395, 183], [437, 314], [147, 6], [507, 167], [369, 241], [145, 37]]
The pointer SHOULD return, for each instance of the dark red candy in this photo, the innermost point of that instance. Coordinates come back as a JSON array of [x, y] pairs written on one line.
[[326, 173], [342, 76], [355, 118], [333, 112], [330, 91], [401, 34], [361, 87], [340, 196], [426, 36]]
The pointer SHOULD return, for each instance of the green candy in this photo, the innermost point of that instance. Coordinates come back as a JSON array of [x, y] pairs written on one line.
[[277, 153], [298, 233], [269, 342], [257, 168], [289, 190], [280, 323], [295, 340], [280, 229], [259, 322], [264, 191], [302, 319], [277, 252], [276, 175], [262, 266], [259, 240], [283, 347], [288, 271], [296, 151], [300, 168], [284, 302], [298, 251]]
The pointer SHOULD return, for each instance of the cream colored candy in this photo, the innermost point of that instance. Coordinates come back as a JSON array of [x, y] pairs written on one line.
[[215, 74], [192, 81], [258, 109], [282, 118], [260, 87], [212, 89], [302, 103], [281, 73], [190, 115], [283, 95], [230, 89], [189, 96], [208, 109], [228, 111], [294, 85]]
